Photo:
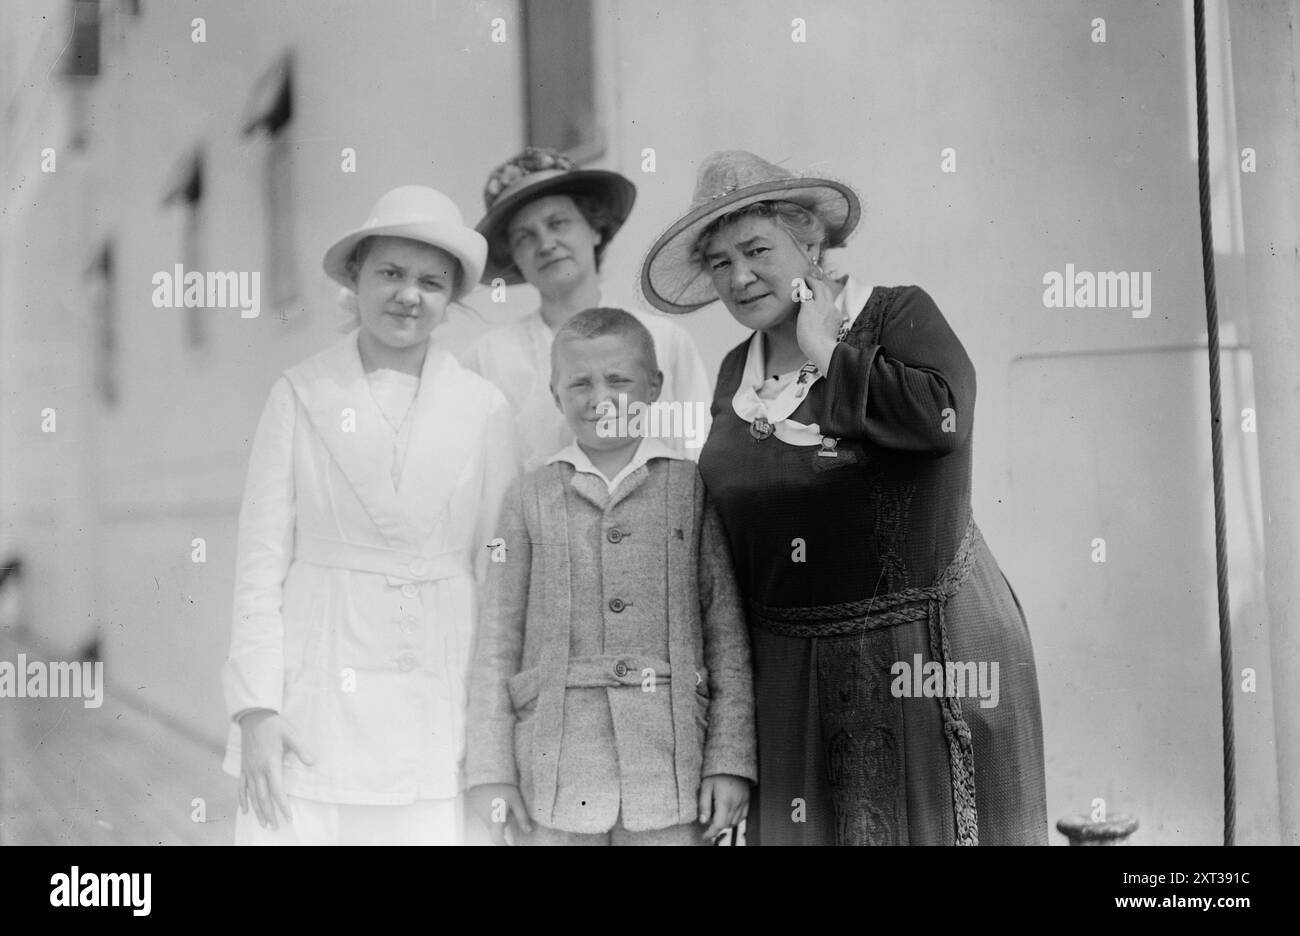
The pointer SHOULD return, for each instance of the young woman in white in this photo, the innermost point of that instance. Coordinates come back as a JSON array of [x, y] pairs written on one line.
[[373, 484]]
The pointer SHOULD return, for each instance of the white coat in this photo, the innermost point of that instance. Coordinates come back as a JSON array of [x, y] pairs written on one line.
[[354, 601]]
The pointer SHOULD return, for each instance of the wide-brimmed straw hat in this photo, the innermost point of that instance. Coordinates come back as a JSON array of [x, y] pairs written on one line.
[[421, 214], [530, 175], [671, 278]]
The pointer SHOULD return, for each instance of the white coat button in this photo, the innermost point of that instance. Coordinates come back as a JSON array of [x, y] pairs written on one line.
[[419, 568], [411, 590], [407, 661], [407, 622]]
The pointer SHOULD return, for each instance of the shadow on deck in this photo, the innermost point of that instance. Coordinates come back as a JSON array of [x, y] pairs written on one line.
[[114, 775]]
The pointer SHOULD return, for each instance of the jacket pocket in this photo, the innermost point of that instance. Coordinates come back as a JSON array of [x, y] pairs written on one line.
[[702, 699], [525, 728], [523, 688]]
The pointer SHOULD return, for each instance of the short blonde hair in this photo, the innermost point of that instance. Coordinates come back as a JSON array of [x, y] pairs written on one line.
[[601, 321]]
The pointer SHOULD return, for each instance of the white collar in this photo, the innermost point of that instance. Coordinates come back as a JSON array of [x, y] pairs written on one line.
[[748, 405], [852, 298], [647, 448]]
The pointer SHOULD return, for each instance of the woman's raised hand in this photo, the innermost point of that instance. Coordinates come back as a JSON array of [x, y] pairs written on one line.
[[266, 739], [819, 321]]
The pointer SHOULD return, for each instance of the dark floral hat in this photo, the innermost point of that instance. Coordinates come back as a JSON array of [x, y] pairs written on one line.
[[530, 175]]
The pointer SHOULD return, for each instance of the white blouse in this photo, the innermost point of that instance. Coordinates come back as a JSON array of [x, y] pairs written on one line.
[[394, 392]]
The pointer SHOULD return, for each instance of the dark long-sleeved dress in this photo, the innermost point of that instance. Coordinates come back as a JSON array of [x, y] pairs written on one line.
[[854, 565]]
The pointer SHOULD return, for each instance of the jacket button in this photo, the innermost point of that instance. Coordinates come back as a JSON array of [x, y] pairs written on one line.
[[407, 622], [615, 535], [411, 590], [419, 568], [620, 669], [617, 605], [407, 661]]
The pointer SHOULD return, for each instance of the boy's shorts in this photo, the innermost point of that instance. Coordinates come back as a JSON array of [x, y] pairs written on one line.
[[689, 834]]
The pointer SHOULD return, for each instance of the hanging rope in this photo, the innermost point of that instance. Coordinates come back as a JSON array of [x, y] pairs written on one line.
[[1226, 681]]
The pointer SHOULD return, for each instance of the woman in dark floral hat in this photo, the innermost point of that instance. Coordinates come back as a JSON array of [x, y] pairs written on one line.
[[548, 224]]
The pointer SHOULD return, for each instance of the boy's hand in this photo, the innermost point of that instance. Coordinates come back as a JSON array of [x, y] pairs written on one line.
[[724, 801], [495, 804]]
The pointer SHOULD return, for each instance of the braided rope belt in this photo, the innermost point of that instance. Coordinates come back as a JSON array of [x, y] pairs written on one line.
[[904, 607]]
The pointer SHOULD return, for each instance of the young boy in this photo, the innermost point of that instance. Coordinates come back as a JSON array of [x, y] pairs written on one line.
[[610, 694]]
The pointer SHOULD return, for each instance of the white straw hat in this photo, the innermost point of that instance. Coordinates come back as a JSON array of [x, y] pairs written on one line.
[[417, 213]]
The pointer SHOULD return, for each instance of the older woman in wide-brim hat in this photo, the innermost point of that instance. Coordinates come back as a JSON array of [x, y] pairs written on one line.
[[372, 485], [840, 459], [548, 223]]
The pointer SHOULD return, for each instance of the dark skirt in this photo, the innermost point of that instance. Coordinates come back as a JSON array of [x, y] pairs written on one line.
[[849, 753]]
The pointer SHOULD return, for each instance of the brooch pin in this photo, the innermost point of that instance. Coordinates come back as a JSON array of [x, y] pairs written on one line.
[[828, 448], [801, 384], [760, 428]]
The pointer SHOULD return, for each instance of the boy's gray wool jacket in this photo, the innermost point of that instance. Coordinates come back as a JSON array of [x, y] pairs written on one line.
[[611, 670]]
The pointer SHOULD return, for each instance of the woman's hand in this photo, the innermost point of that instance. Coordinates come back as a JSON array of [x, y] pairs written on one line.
[[724, 802], [266, 739], [818, 320], [496, 804]]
